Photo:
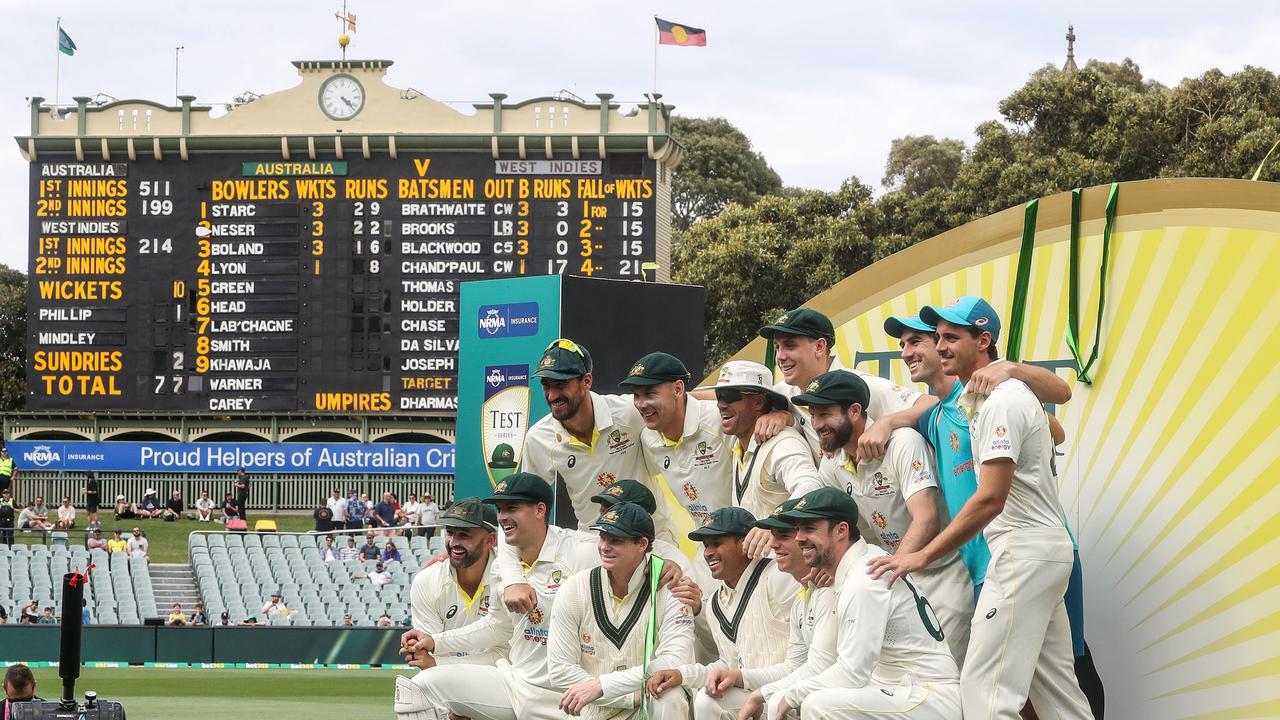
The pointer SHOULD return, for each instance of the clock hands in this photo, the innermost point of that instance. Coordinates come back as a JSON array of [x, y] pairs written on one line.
[[348, 102]]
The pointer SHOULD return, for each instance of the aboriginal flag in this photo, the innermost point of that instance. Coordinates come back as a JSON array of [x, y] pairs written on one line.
[[670, 33]]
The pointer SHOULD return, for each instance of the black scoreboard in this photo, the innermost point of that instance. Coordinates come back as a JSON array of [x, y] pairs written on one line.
[[241, 284]]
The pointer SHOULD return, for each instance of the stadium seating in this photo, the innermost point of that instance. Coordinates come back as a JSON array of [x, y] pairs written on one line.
[[120, 590], [238, 572]]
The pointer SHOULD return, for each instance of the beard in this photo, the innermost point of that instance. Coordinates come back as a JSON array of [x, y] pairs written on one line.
[[838, 438], [472, 557]]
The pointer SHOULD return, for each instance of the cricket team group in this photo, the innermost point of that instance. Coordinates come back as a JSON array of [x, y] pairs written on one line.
[[863, 550]]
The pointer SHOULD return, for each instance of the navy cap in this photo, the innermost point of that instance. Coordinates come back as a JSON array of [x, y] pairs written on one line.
[[969, 310]]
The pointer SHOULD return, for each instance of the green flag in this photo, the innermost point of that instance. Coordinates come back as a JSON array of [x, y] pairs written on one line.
[[65, 44]]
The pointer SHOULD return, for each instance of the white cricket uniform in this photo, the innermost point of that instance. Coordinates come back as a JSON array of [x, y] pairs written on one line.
[[766, 475], [597, 635], [520, 688], [697, 466], [1020, 612], [749, 624], [881, 488], [439, 603], [887, 397], [811, 647], [615, 453], [891, 663]]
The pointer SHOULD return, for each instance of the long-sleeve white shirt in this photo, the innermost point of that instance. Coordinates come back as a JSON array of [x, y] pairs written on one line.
[[765, 475], [811, 644], [439, 604]]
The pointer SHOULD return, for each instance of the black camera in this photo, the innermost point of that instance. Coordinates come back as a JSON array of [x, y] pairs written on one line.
[[69, 669]]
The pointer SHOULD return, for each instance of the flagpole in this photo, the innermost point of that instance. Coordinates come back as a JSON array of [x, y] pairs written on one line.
[[656, 38], [57, 67]]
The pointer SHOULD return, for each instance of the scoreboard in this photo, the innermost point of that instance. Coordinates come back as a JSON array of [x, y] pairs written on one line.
[[241, 284]]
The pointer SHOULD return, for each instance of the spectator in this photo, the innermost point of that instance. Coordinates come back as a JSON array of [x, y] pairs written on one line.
[[6, 521], [42, 511], [350, 552], [330, 552], [138, 545], [96, 541], [251, 621], [173, 507], [66, 515], [379, 578], [4, 615], [369, 551], [85, 617], [323, 516], [204, 507], [91, 496], [275, 607], [48, 618], [390, 552], [355, 511], [384, 620], [230, 510], [428, 514], [346, 621], [338, 508], [117, 543], [8, 470], [176, 616], [149, 506], [368, 509], [408, 512], [224, 619], [124, 509], [30, 613], [27, 518], [19, 686], [242, 492], [198, 617], [6, 498], [384, 514]]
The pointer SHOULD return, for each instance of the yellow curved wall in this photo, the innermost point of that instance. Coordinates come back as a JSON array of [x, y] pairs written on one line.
[[1171, 477]]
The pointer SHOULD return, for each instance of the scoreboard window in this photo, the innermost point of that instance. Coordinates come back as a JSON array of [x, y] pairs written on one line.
[[240, 283]]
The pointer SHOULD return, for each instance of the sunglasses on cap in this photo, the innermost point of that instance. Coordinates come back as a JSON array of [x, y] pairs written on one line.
[[566, 344], [731, 395]]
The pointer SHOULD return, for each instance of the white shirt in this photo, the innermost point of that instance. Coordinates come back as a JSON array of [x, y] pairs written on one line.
[[138, 546], [379, 578], [697, 467], [882, 634], [1010, 423], [811, 643], [410, 512], [439, 603], [563, 553], [337, 506], [614, 453], [579, 649], [887, 397], [766, 475], [428, 513], [204, 504], [66, 512]]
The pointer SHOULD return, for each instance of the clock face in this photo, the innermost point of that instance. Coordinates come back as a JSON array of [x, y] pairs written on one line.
[[341, 97]]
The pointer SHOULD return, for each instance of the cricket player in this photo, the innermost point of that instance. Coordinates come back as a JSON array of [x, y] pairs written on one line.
[[811, 630], [892, 661], [521, 687], [802, 342], [897, 496], [451, 595], [597, 650], [764, 474], [1020, 611], [748, 610], [589, 440]]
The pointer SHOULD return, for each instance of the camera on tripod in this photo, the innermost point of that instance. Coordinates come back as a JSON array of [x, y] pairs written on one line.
[[69, 669]]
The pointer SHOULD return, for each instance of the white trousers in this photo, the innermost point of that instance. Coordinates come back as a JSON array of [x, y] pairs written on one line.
[[486, 693], [949, 589], [1020, 640], [706, 707], [917, 701]]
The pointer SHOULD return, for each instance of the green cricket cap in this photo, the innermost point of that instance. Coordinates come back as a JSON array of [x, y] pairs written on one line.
[[628, 491], [522, 487], [775, 520], [824, 504], [563, 359], [470, 513], [801, 321], [503, 457], [837, 387], [625, 519], [656, 368], [725, 521]]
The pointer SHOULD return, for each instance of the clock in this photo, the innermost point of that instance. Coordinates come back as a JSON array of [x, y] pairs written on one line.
[[341, 97]]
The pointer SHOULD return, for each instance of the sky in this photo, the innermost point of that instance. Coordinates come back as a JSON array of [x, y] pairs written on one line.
[[821, 87]]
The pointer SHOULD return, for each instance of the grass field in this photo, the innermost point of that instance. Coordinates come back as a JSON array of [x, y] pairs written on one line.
[[169, 539], [198, 694]]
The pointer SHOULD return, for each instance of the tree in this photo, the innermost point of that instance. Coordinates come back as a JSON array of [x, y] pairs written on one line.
[[920, 163], [718, 168], [13, 339]]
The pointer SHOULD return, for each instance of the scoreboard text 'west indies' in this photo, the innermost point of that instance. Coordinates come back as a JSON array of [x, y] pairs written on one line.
[[302, 253]]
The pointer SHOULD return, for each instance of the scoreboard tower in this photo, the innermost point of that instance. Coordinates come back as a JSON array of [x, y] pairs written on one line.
[[300, 255]]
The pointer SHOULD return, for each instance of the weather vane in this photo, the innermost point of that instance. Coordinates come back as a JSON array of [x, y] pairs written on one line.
[[346, 24]]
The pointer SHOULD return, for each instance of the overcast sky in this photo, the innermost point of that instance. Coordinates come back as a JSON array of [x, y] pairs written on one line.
[[820, 86]]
